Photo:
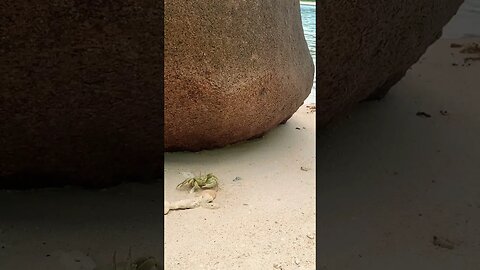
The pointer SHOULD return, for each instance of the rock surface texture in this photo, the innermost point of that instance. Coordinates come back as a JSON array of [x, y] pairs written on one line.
[[233, 70], [365, 47], [80, 92]]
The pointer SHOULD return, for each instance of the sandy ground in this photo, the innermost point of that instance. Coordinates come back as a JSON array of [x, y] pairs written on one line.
[[265, 220], [77, 229], [390, 181]]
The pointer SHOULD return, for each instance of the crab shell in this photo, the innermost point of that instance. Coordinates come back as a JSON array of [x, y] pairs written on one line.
[[203, 182]]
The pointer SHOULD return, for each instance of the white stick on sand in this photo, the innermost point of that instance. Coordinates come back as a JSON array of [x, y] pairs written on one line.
[[206, 196]]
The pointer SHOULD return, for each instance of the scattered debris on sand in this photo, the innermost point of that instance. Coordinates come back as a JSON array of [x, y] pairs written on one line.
[[312, 108], [471, 59], [443, 242], [423, 114], [471, 48]]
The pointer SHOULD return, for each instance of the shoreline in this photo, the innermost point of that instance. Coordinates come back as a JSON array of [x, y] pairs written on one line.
[[308, 3]]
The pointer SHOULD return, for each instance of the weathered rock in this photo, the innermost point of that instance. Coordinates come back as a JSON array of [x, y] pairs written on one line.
[[365, 47], [80, 92], [233, 70]]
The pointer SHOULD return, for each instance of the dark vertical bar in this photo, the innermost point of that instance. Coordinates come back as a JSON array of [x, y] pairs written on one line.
[[81, 104]]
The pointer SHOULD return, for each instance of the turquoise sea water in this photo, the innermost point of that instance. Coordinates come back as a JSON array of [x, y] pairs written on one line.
[[308, 21]]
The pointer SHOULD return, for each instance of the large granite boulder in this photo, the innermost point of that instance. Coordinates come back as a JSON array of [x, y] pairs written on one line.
[[233, 70], [80, 92], [365, 47]]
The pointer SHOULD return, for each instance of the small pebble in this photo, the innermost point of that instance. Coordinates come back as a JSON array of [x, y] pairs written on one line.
[[305, 169], [443, 242], [311, 236], [423, 114]]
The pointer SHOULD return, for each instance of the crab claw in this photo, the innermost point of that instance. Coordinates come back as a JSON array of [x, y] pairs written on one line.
[[185, 183]]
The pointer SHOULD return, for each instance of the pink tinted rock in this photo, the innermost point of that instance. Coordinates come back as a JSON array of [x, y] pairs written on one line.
[[233, 70]]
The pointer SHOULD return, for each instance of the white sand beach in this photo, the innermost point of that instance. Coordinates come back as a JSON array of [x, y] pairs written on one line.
[[266, 218]]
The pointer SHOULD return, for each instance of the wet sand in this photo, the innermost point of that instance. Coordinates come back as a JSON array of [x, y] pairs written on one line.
[[308, 3]]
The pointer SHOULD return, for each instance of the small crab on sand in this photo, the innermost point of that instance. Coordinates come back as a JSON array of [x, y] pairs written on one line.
[[205, 188], [195, 183]]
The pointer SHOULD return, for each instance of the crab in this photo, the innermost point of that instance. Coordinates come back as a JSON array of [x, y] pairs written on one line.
[[208, 181]]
